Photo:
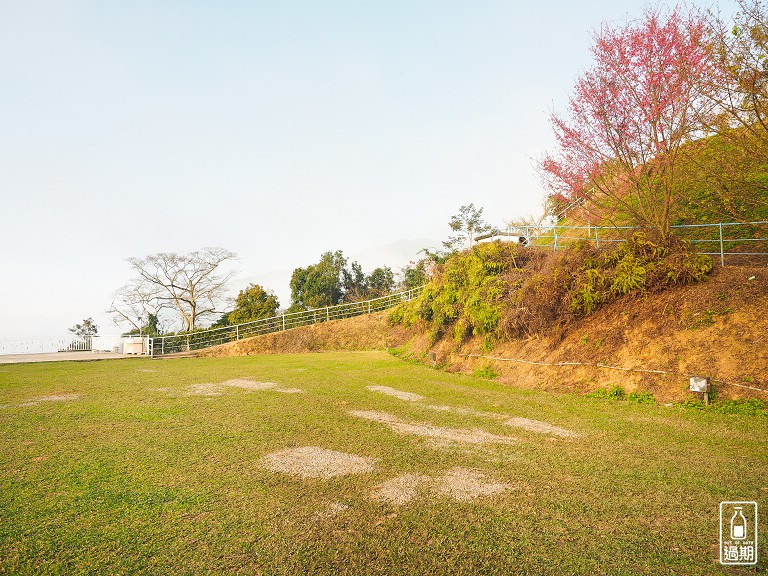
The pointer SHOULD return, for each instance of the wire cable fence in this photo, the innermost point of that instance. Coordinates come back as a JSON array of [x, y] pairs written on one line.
[[724, 239], [172, 344]]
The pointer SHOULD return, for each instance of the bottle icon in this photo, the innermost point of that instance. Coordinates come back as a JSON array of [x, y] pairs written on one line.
[[738, 525]]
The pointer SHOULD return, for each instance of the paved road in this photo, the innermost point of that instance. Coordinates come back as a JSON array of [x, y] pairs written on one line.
[[60, 357]]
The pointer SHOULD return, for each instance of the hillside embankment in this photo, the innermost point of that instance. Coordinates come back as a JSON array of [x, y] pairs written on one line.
[[642, 342]]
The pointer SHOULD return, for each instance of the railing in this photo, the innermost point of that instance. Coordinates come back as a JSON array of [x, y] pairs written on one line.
[[115, 344], [162, 345], [45, 345], [721, 239]]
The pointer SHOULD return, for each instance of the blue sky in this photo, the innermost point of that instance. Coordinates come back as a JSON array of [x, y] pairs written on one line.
[[277, 130]]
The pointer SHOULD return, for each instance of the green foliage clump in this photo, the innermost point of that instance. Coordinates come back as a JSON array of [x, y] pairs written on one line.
[[252, 304], [501, 291], [465, 295], [751, 407], [486, 372], [589, 291], [629, 275], [617, 393], [641, 398], [613, 393], [331, 281]]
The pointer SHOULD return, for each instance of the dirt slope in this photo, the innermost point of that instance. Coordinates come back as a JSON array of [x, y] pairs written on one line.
[[718, 328], [369, 332]]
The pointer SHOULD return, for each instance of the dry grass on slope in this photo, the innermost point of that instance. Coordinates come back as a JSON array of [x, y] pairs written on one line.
[[368, 332]]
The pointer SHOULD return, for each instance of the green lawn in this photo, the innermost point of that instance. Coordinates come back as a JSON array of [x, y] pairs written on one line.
[[136, 475]]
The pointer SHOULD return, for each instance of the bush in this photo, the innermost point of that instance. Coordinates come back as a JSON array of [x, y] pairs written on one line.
[[641, 398], [500, 291], [486, 372], [612, 393]]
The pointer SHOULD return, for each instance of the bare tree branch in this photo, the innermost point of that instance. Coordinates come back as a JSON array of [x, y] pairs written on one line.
[[190, 283]]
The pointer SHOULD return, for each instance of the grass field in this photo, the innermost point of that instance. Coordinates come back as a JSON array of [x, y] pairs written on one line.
[[141, 466]]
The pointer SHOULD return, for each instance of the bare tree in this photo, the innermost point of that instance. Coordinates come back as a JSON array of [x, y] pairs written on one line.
[[187, 283], [134, 304]]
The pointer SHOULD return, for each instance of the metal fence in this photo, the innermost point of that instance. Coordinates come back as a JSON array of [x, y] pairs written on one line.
[[45, 345], [162, 345], [721, 239]]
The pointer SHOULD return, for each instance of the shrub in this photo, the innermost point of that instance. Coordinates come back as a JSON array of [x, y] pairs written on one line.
[[500, 291], [641, 398], [486, 372], [613, 393], [629, 275]]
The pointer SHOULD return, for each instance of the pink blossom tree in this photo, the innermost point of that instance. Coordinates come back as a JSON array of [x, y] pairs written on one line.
[[630, 114]]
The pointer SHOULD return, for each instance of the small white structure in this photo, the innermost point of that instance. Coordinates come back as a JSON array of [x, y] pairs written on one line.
[[133, 345]]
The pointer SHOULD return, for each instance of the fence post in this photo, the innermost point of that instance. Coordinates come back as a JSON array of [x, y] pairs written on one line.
[[722, 254], [237, 332], [327, 313], [187, 342], [597, 235], [162, 346], [283, 321], [555, 228], [369, 306]]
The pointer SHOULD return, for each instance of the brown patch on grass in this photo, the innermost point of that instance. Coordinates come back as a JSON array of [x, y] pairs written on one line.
[[330, 510], [460, 484], [211, 389], [315, 462], [205, 389], [427, 430], [407, 396], [541, 427], [51, 398], [249, 384], [526, 423], [467, 411], [402, 489], [464, 485]]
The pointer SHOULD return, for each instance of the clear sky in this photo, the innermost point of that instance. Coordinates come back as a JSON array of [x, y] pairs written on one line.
[[277, 130]]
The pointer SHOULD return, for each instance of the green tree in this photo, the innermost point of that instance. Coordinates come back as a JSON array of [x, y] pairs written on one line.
[[222, 321], [319, 285], [469, 224], [149, 327], [415, 274], [87, 328], [253, 303], [355, 283], [380, 282]]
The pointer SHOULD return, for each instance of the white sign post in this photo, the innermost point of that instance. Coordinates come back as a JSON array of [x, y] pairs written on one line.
[[700, 384]]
